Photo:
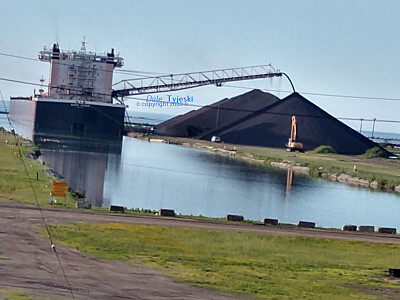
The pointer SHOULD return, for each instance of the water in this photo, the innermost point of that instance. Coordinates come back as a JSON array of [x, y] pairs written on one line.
[[384, 137], [139, 174], [83, 168], [191, 181], [3, 117], [147, 118]]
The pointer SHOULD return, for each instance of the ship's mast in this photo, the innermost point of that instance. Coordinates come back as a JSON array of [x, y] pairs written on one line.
[[41, 90]]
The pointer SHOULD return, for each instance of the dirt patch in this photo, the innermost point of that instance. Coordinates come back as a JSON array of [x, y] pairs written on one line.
[[33, 268], [385, 293]]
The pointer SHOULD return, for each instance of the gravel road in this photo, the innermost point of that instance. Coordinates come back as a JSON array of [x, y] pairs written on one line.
[[28, 263]]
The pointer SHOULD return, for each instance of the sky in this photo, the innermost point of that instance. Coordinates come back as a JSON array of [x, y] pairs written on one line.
[[326, 47]]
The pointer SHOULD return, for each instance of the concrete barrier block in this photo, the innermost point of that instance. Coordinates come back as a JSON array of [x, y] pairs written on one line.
[[364, 228], [235, 218], [394, 272], [387, 230], [349, 228], [166, 212], [86, 205], [116, 208], [306, 224], [270, 222]]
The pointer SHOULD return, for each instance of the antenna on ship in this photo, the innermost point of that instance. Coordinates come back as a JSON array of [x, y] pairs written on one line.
[[83, 47], [41, 90]]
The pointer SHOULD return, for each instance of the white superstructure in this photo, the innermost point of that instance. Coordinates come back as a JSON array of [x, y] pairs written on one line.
[[82, 75]]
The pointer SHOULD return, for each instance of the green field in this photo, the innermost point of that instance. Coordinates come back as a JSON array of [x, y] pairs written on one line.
[[264, 266]]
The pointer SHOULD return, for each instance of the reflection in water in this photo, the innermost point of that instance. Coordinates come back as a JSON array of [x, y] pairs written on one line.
[[83, 165], [191, 181], [289, 180]]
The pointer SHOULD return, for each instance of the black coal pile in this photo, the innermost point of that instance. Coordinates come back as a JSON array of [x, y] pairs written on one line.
[[222, 114], [266, 121]]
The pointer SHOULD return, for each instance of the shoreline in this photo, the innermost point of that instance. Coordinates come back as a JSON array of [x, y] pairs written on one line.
[[234, 152], [245, 154]]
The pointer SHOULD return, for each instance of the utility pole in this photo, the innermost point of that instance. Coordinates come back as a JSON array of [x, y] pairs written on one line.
[[373, 127], [216, 127]]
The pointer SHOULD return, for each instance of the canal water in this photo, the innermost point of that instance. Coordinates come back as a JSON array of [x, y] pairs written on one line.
[[144, 175], [192, 181]]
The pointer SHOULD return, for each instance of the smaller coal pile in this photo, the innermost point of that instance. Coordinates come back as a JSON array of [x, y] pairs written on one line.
[[261, 119]]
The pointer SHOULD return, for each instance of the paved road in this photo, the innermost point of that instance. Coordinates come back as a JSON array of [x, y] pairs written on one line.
[[31, 265]]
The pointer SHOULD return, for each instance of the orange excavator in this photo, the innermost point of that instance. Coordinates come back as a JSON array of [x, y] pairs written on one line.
[[292, 144]]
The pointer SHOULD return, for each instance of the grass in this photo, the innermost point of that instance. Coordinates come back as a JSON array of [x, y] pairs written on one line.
[[15, 295], [15, 184], [266, 158], [323, 149], [375, 152], [264, 266]]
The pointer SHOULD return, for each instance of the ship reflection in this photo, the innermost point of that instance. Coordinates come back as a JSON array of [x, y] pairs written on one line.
[[289, 182], [83, 164]]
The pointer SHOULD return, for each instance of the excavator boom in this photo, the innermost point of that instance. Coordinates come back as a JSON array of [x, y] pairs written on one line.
[[293, 132], [292, 144]]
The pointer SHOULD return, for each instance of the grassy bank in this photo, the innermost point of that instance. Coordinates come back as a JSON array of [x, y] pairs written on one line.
[[385, 171], [382, 170], [15, 184], [264, 266]]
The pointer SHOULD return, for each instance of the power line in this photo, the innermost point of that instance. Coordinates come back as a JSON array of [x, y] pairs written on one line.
[[129, 72], [18, 56], [125, 72], [322, 94], [211, 105], [50, 86], [36, 198]]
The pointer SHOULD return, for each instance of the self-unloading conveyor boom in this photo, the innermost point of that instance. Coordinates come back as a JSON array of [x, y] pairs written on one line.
[[166, 83]]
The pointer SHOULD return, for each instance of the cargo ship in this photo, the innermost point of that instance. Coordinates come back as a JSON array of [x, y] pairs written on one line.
[[78, 104]]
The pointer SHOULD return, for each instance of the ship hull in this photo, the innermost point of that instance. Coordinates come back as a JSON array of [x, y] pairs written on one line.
[[45, 119]]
